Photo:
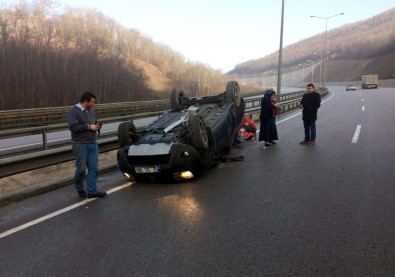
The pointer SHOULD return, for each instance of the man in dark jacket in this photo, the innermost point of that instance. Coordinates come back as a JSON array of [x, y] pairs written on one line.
[[310, 103]]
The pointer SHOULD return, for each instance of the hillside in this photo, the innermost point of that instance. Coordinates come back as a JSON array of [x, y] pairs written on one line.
[[156, 80], [357, 48], [49, 57]]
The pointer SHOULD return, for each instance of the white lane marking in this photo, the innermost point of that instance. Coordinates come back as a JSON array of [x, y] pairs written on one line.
[[363, 108], [356, 134], [48, 216]]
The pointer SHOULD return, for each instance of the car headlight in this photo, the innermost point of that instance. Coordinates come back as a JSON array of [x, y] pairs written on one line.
[[127, 175], [182, 176]]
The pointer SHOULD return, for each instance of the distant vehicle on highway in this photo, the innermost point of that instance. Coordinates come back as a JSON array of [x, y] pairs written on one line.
[[185, 141], [350, 87], [369, 81]]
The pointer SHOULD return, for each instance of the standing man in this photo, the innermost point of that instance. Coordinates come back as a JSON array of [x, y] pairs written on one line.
[[310, 103], [84, 128]]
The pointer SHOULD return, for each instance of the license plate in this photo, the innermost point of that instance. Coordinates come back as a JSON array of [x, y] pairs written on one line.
[[155, 169]]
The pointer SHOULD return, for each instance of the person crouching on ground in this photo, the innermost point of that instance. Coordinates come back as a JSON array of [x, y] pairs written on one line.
[[268, 129], [249, 127]]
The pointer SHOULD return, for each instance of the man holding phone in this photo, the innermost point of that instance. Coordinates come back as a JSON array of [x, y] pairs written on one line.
[[82, 123]]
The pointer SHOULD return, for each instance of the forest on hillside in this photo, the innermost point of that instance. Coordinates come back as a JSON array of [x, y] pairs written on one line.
[[365, 40], [48, 58]]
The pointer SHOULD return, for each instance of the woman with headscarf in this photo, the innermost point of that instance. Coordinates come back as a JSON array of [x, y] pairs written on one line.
[[268, 129]]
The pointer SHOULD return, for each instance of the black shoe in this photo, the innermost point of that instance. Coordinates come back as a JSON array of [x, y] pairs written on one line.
[[98, 194], [272, 142], [267, 144], [82, 193]]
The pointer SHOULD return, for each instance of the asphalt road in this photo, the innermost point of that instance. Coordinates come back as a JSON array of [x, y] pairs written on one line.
[[286, 210]]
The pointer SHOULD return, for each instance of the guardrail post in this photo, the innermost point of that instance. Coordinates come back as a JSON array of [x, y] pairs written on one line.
[[45, 144]]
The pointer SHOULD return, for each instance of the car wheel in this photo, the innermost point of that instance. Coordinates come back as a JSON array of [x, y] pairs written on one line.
[[208, 155], [232, 93], [127, 134], [176, 99], [197, 132]]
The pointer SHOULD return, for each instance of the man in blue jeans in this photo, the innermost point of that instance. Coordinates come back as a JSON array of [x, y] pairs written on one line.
[[311, 101], [84, 128]]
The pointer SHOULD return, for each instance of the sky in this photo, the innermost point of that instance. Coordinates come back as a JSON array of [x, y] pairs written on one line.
[[223, 33]]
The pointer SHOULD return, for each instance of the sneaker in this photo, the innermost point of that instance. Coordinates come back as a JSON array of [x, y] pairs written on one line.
[[304, 142], [98, 194]]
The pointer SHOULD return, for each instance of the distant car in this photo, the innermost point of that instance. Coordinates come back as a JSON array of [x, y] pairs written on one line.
[[184, 141], [350, 87]]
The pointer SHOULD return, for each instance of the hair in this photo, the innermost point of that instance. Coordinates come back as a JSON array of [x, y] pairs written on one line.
[[87, 96], [310, 85]]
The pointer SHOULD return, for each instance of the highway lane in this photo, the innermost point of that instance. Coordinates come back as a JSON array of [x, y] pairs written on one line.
[[285, 210]]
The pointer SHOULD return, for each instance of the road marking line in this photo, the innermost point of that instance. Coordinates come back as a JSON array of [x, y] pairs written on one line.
[[356, 134], [48, 216], [363, 108]]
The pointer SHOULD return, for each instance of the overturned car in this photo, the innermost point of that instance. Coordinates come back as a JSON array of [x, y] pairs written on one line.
[[184, 141]]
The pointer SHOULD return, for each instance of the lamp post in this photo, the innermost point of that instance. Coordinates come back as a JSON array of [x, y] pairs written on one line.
[[326, 30], [280, 53], [303, 66], [321, 72], [312, 69]]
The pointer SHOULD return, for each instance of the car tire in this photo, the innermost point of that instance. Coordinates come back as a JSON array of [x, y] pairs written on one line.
[[232, 93], [198, 132], [127, 134], [209, 154], [176, 99]]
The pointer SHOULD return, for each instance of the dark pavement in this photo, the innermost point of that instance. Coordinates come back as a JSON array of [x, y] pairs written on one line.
[[287, 210]]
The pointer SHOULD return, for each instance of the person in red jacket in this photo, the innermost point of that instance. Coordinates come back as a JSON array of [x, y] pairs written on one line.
[[247, 129]]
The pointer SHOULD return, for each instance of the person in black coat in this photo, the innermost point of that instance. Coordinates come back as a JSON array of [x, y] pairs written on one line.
[[310, 103], [268, 129]]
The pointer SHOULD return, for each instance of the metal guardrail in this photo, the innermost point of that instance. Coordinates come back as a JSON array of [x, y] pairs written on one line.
[[46, 157], [44, 116], [11, 119]]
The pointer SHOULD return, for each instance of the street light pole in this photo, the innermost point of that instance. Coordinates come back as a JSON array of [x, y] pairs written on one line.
[[312, 69], [321, 71], [326, 30], [280, 53], [303, 66]]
